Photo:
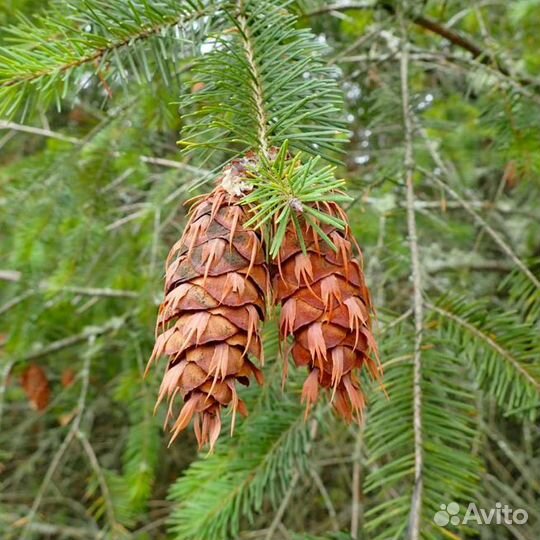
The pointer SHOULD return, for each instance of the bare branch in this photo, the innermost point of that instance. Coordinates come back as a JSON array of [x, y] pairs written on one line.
[[410, 166], [15, 276], [356, 506], [92, 458], [326, 498], [3, 384], [292, 484], [39, 131], [10, 275], [74, 140], [473, 265], [15, 301], [92, 291], [54, 530], [89, 333]]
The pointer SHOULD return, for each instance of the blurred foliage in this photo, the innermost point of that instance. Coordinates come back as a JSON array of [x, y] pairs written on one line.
[[92, 186]]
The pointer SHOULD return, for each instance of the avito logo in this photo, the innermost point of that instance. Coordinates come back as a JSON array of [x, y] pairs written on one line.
[[449, 514]]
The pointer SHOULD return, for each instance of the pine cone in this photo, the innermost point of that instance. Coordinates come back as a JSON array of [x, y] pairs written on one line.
[[215, 286], [326, 308]]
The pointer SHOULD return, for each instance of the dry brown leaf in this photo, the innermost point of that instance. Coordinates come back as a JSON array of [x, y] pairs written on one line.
[[36, 385]]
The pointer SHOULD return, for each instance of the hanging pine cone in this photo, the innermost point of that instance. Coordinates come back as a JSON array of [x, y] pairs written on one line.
[[326, 309], [215, 286]]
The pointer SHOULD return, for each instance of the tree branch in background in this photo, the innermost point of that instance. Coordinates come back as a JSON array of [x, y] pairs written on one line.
[[56, 460], [294, 480], [91, 332], [39, 131], [467, 207], [410, 166], [94, 463], [356, 484], [453, 37]]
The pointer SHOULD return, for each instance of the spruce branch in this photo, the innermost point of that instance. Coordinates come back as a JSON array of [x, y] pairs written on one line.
[[255, 465], [255, 79], [278, 517], [503, 351], [448, 434], [275, 88], [285, 187], [47, 54], [519, 367]]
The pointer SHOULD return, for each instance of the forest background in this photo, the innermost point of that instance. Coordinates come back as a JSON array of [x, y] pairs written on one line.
[[429, 110]]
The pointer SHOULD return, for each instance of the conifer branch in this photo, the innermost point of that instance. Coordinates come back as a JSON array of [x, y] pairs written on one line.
[[97, 55], [410, 166], [518, 366], [356, 483], [255, 80], [54, 46], [278, 517], [275, 88]]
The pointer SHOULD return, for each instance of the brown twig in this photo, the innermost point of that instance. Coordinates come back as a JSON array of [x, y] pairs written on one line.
[[453, 37]]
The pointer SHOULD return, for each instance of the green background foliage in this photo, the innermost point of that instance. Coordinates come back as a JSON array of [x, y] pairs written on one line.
[[114, 113]]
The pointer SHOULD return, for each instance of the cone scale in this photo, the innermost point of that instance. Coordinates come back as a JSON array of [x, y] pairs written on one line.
[[209, 322], [326, 310]]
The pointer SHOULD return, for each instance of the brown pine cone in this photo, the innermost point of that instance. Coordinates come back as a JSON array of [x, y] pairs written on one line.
[[326, 309], [209, 323]]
